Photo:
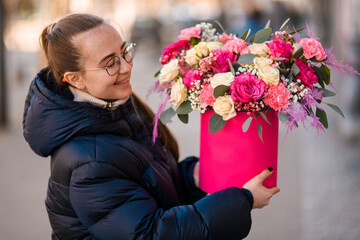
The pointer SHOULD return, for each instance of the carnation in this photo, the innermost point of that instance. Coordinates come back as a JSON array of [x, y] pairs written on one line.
[[236, 46], [190, 77], [280, 48], [220, 61], [207, 96], [247, 88], [312, 48], [172, 50], [187, 33], [307, 74], [277, 97]]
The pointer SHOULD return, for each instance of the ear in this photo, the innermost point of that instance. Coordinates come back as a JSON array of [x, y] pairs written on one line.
[[74, 79]]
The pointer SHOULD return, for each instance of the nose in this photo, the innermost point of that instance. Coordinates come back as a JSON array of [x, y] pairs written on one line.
[[125, 67]]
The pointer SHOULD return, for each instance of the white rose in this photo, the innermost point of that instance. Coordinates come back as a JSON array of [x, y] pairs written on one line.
[[224, 106], [212, 46], [201, 49], [260, 49], [169, 71], [262, 62], [178, 93], [221, 79], [191, 57], [270, 75]]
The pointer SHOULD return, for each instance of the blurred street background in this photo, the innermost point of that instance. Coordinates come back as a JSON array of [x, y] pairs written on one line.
[[319, 178]]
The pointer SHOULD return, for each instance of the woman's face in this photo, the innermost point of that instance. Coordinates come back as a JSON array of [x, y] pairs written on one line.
[[98, 46]]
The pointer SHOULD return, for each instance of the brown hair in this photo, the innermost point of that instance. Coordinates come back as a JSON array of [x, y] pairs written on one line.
[[63, 56]]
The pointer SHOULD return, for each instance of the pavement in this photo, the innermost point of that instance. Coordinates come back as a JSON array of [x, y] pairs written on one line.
[[319, 178]]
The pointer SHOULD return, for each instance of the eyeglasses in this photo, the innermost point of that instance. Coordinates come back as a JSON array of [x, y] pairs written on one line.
[[112, 66]]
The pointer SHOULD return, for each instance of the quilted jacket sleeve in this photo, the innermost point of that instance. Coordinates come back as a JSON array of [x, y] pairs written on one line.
[[117, 208]]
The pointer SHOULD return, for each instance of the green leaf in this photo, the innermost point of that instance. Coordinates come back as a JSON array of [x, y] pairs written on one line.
[[252, 39], [336, 109], [216, 123], [262, 35], [245, 35], [260, 132], [194, 41], [281, 58], [220, 90], [246, 58], [283, 118], [326, 70], [184, 118], [284, 71], [167, 115], [295, 69], [246, 124], [231, 67], [297, 31], [220, 25], [321, 75], [323, 118], [284, 24], [157, 73], [327, 93], [184, 108], [264, 117], [267, 24], [298, 53]]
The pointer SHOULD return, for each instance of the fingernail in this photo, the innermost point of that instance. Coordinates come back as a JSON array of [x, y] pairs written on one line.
[[270, 169]]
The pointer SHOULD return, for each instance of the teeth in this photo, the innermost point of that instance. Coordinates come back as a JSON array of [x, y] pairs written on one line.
[[122, 82]]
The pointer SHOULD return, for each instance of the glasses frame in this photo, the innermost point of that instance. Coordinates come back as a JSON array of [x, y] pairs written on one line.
[[117, 60]]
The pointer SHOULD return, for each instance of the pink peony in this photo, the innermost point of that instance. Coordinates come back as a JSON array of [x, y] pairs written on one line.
[[306, 74], [312, 48], [187, 33], [220, 63], [172, 50], [247, 88], [280, 48], [190, 78], [277, 97], [207, 96], [236, 46]]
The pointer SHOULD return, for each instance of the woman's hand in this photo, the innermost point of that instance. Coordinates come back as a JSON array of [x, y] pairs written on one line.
[[196, 173], [260, 193]]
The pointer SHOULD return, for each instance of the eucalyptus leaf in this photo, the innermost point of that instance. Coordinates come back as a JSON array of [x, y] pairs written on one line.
[[295, 69], [246, 58], [262, 35], [260, 132], [216, 123], [321, 75], [184, 108], [281, 58], [321, 114], [321, 82], [283, 118], [166, 115], [231, 67], [264, 117], [246, 124], [336, 109], [326, 93], [267, 24], [284, 24], [184, 118], [220, 90], [298, 53]]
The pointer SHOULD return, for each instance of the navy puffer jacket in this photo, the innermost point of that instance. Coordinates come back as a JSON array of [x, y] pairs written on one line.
[[108, 181]]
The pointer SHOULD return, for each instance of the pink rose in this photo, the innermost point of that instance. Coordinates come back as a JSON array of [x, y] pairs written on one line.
[[277, 97], [236, 46], [280, 48], [219, 63], [172, 50], [187, 33], [207, 96], [307, 74], [190, 78], [247, 88], [312, 48]]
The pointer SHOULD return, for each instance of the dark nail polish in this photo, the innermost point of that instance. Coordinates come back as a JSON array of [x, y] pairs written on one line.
[[270, 169]]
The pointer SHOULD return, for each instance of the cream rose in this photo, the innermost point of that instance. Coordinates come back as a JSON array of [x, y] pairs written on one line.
[[260, 49], [201, 49], [212, 46], [296, 47], [262, 62], [169, 72], [178, 93], [270, 75], [221, 79], [191, 57], [224, 106]]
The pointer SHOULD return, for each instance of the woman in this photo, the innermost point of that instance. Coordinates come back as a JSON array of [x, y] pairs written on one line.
[[108, 180]]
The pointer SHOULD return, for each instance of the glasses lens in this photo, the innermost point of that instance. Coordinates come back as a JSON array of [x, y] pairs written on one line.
[[113, 66], [129, 53]]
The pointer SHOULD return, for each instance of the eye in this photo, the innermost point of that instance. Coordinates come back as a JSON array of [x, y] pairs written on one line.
[[111, 63]]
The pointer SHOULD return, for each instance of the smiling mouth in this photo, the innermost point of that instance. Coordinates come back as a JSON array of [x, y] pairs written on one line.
[[122, 82]]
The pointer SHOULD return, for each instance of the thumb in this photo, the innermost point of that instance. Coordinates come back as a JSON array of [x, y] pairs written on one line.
[[265, 174]]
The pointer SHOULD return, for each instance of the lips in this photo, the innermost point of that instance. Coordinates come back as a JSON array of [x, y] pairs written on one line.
[[121, 82]]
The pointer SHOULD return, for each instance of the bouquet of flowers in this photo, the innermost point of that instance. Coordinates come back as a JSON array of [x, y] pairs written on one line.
[[228, 73]]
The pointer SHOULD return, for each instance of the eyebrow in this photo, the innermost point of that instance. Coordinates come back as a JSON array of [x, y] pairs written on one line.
[[111, 54]]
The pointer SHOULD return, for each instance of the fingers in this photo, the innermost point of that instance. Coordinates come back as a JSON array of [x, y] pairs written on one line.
[[265, 174], [274, 190]]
